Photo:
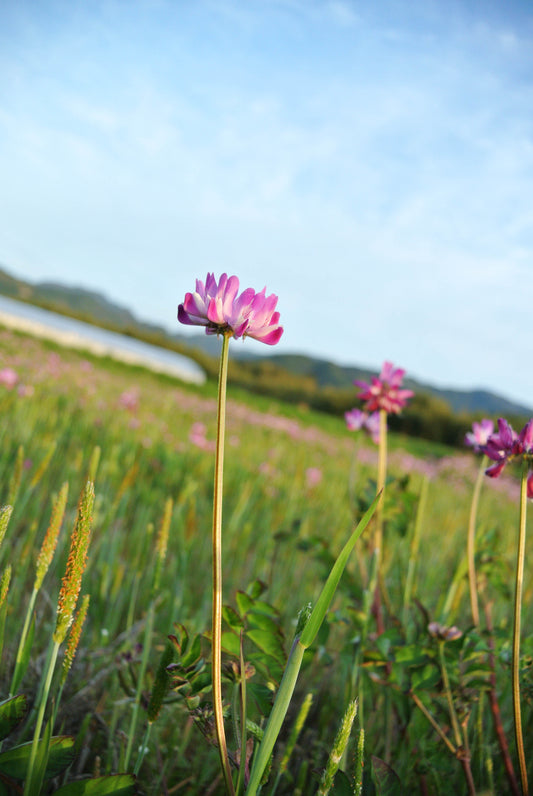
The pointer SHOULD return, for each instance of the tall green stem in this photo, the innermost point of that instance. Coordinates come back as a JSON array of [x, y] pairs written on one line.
[[471, 543], [31, 786], [516, 631], [382, 476], [216, 636]]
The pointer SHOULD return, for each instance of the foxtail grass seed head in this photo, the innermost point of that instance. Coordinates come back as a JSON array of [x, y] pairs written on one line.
[[5, 580], [43, 465], [16, 476], [93, 464], [162, 536], [76, 562], [162, 683], [341, 742], [295, 732], [161, 544], [49, 544], [5, 515], [74, 637], [359, 763]]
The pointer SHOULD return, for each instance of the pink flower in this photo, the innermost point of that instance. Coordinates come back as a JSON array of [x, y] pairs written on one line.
[[356, 419], [8, 377], [372, 426], [384, 391], [220, 309], [506, 445], [313, 476], [129, 400], [480, 434]]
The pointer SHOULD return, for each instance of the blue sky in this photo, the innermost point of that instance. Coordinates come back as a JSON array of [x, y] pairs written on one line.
[[371, 163]]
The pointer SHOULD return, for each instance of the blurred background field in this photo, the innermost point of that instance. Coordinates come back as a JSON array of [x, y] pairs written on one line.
[[295, 482]]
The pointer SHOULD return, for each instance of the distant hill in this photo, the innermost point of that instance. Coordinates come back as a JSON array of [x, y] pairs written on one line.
[[329, 374], [96, 308]]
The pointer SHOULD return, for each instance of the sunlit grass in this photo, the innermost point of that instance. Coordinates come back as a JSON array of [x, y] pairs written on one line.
[[280, 527]]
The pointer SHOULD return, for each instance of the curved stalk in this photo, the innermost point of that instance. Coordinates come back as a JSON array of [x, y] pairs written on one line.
[[216, 636], [471, 546], [515, 665]]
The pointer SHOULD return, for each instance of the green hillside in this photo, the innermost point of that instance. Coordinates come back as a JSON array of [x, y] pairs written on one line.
[[439, 414]]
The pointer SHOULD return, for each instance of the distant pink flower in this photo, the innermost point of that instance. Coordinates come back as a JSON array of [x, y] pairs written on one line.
[[480, 434], [313, 476], [372, 425], [25, 390], [129, 400], [384, 391], [506, 445], [218, 307], [8, 377], [197, 436], [356, 419]]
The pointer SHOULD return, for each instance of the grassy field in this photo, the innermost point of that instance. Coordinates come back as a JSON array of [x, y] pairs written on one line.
[[295, 484]]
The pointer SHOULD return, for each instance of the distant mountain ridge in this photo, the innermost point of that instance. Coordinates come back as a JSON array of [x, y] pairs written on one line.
[[94, 307], [329, 374]]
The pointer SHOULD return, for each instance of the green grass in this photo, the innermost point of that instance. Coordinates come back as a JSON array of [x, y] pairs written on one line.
[[277, 529]]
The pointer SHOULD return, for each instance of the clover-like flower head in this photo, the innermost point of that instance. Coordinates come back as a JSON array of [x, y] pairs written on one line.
[[218, 307]]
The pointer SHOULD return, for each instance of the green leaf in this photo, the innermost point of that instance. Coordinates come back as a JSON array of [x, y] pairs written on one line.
[[385, 779], [231, 644], [263, 622], [342, 785], [410, 654], [268, 642], [256, 589], [193, 653], [426, 677], [14, 762], [117, 784], [12, 711], [231, 617], [319, 611], [244, 602]]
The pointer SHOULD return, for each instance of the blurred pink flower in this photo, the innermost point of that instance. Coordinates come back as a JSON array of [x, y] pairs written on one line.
[[356, 419], [129, 400], [197, 436], [218, 307], [384, 391], [8, 377], [25, 390], [313, 476], [480, 434], [506, 446]]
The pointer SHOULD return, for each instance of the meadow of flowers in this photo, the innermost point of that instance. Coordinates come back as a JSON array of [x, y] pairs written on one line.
[[362, 638]]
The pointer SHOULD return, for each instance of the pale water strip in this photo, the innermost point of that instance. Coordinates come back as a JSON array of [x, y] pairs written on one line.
[[72, 333]]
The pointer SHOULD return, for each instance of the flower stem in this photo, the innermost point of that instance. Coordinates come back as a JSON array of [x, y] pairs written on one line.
[[471, 548], [377, 587], [216, 638], [516, 631], [382, 475]]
